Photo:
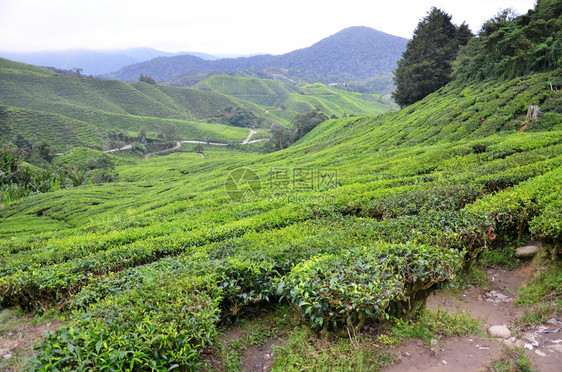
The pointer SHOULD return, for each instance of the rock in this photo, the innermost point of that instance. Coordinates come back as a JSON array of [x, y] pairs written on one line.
[[555, 321], [527, 251], [7, 356], [540, 353], [519, 343], [499, 331], [529, 337], [497, 297], [528, 347], [507, 342], [556, 347]]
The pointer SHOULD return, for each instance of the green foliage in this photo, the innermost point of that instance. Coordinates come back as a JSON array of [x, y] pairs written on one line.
[[416, 196], [509, 46], [426, 64], [511, 360], [147, 79], [159, 326], [304, 350], [434, 325], [19, 180], [300, 98], [340, 291], [282, 137]]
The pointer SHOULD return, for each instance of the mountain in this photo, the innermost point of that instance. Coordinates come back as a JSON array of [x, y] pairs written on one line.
[[355, 53], [91, 61]]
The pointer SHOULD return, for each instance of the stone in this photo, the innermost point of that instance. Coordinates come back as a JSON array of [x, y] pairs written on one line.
[[527, 251], [499, 331], [7, 356], [497, 297], [540, 353], [556, 347]]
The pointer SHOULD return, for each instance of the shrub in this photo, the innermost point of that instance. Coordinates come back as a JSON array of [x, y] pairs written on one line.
[[340, 291]]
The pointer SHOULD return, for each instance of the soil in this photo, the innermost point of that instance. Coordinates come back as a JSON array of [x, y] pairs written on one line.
[[259, 358], [475, 353], [18, 344], [455, 354]]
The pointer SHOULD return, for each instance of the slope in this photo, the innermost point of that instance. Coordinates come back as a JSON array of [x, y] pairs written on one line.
[[355, 53], [301, 98], [112, 105], [391, 206]]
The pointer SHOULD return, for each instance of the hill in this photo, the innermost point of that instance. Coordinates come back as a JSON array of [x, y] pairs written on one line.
[[299, 98], [61, 108], [73, 111], [93, 62], [332, 245], [355, 53], [391, 205]]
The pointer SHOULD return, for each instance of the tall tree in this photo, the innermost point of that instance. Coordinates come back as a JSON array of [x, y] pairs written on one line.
[[426, 64]]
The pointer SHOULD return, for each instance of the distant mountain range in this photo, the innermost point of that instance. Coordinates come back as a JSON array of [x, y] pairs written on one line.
[[355, 53], [94, 62]]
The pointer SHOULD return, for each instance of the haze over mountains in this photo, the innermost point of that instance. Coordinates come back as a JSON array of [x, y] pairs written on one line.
[[355, 53], [93, 62]]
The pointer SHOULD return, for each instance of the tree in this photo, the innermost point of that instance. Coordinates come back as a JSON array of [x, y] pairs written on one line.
[[23, 145], [147, 79], [44, 151], [304, 123], [426, 64], [509, 45], [168, 131], [199, 148]]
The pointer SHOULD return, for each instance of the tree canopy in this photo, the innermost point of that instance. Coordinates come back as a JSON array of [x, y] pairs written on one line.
[[508, 46], [426, 64]]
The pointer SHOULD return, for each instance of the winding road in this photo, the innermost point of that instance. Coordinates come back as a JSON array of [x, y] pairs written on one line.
[[247, 141]]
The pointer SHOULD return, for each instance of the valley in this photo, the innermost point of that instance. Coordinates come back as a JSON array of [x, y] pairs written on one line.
[[244, 224]]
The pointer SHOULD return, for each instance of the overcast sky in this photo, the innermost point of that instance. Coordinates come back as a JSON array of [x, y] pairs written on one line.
[[218, 27]]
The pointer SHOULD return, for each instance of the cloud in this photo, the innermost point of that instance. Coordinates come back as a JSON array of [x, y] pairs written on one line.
[[217, 26]]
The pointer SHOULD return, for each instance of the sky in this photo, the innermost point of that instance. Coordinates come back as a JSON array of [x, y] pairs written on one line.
[[219, 27]]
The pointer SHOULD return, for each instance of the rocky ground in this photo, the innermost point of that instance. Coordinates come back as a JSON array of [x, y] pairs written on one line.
[[495, 306]]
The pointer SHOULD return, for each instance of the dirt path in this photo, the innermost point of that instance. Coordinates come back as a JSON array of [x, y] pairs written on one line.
[[494, 306], [18, 336], [177, 146]]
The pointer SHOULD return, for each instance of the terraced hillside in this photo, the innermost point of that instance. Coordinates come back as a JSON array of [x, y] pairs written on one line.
[[301, 99], [70, 111], [357, 222]]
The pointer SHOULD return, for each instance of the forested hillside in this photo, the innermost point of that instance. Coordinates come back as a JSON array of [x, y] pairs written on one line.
[[355, 53]]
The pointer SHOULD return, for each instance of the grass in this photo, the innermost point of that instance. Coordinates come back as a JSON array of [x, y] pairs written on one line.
[[435, 324], [511, 360], [545, 285], [304, 350], [14, 325], [247, 336], [542, 296], [540, 313]]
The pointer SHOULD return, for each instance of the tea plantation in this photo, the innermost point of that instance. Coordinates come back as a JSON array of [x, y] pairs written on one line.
[[359, 221]]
